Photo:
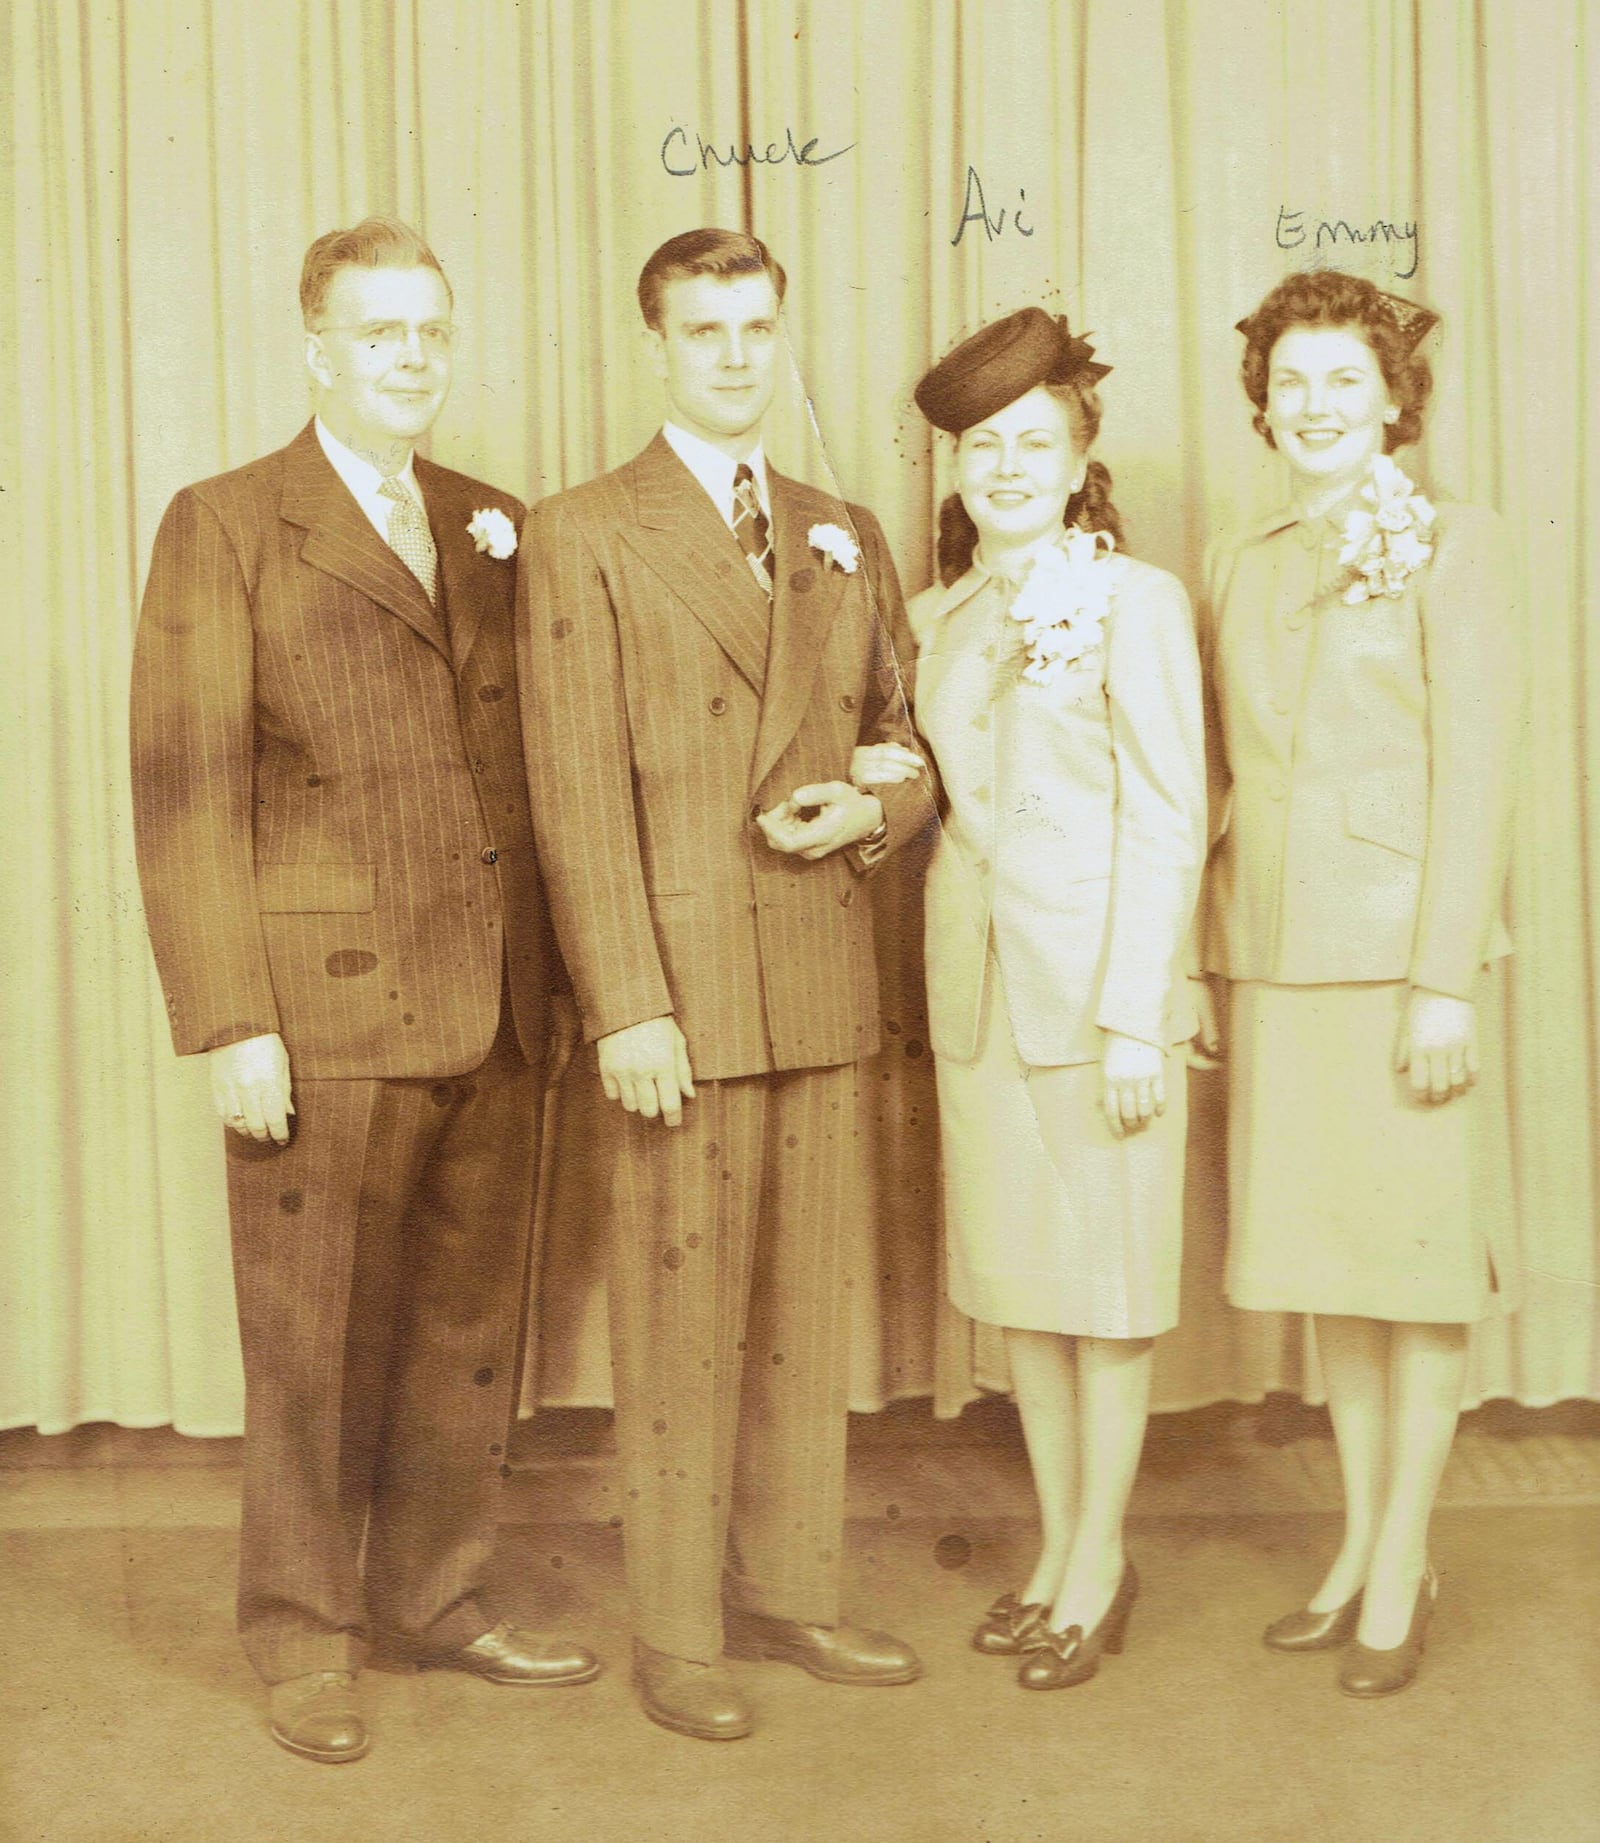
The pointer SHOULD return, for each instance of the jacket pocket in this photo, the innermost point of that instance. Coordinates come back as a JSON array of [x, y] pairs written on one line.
[[316, 889], [1387, 811]]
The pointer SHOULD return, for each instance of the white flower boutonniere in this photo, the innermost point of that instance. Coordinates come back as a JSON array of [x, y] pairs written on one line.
[[492, 531], [1389, 537], [836, 545], [1063, 603]]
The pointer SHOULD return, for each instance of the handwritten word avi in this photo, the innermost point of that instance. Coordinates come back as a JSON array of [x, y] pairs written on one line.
[[975, 210]]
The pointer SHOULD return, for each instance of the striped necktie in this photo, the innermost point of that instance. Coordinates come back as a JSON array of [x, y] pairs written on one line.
[[750, 527], [410, 539]]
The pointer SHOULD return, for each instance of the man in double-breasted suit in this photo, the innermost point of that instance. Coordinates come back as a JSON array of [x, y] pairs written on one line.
[[701, 644], [340, 881]]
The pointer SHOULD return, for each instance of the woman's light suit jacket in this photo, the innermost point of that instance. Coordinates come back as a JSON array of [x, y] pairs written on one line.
[[1364, 762], [1075, 829]]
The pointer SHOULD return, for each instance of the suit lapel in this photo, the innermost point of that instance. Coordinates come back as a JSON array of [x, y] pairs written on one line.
[[807, 592], [341, 541], [466, 574], [682, 537]]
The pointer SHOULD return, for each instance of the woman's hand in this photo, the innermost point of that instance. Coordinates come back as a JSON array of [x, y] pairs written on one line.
[[1438, 1043], [1205, 1046], [881, 764], [1134, 1088]]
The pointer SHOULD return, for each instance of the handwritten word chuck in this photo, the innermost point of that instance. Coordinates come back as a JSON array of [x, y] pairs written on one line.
[[681, 163]]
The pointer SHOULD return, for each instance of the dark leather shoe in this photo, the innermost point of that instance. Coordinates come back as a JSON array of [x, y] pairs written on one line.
[[695, 1699], [1008, 1626], [508, 1654], [1369, 1672], [316, 1716], [1309, 1631], [1059, 1660], [835, 1653]]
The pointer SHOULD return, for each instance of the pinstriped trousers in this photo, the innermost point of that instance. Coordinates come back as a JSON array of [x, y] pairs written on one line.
[[380, 1261], [729, 1350]]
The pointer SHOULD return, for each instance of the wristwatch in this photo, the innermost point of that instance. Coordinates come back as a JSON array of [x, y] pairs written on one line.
[[876, 842]]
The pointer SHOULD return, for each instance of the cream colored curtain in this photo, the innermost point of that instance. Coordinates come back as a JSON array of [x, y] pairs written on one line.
[[1170, 160]]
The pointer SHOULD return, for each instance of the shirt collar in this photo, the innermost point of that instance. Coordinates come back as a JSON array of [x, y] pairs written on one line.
[[1017, 562], [715, 470], [358, 473]]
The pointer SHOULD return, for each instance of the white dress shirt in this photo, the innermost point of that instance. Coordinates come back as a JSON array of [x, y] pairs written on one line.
[[363, 480], [715, 470]]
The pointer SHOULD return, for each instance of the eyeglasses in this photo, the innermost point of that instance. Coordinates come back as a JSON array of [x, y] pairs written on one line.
[[436, 337]]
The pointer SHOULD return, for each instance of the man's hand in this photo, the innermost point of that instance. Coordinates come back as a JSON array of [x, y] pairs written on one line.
[[1438, 1043], [844, 815], [250, 1087], [1205, 1046], [883, 764], [1134, 1088], [646, 1067]]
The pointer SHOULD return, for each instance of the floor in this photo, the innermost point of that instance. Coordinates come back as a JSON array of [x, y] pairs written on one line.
[[127, 1714]]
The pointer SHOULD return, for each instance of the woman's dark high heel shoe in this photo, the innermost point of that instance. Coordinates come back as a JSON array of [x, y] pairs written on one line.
[[1058, 1660], [1309, 1631], [1008, 1626], [1369, 1672]]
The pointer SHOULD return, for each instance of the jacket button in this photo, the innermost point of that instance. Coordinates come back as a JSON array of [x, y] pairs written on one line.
[[846, 897], [846, 701], [1277, 787], [489, 854], [477, 767], [1283, 704], [1294, 622], [717, 706]]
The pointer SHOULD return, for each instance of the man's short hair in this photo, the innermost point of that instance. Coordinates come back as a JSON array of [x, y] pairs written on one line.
[[723, 253], [374, 243]]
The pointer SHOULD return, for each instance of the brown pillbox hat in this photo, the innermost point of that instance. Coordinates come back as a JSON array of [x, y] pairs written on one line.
[[1002, 362]]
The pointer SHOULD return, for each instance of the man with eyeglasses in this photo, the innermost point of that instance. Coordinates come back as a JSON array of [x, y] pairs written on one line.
[[339, 877]]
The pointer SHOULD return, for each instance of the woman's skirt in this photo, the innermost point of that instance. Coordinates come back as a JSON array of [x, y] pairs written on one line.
[[1052, 1222], [1345, 1194]]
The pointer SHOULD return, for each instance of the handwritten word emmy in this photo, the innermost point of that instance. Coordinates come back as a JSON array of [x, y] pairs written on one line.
[[1294, 233]]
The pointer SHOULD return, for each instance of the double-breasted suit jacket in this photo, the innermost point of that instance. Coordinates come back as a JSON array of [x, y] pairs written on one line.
[[334, 845], [1364, 783], [666, 703], [665, 706], [1075, 831]]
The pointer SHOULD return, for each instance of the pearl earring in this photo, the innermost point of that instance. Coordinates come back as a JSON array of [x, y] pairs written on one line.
[[1391, 414]]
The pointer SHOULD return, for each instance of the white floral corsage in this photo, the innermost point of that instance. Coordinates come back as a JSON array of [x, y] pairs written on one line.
[[1063, 603], [1388, 538], [492, 531], [836, 545]]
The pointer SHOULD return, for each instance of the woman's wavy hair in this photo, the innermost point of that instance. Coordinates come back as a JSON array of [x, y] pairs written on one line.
[[1329, 297], [1090, 507]]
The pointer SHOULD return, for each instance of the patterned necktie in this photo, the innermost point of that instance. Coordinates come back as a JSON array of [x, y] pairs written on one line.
[[750, 527], [410, 539]]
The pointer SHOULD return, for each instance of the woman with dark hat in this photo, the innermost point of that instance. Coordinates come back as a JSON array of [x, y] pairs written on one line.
[[1362, 650], [1058, 686]]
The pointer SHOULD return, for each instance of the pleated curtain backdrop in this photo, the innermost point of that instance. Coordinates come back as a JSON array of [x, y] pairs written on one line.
[[1148, 168]]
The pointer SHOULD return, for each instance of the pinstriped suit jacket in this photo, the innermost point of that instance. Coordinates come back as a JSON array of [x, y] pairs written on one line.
[[657, 720], [321, 762]]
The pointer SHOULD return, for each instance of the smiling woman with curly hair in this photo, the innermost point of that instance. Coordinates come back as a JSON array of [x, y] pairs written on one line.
[[1362, 654]]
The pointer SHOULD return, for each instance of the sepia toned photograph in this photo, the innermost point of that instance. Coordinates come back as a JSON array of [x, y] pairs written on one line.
[[799, 922]]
